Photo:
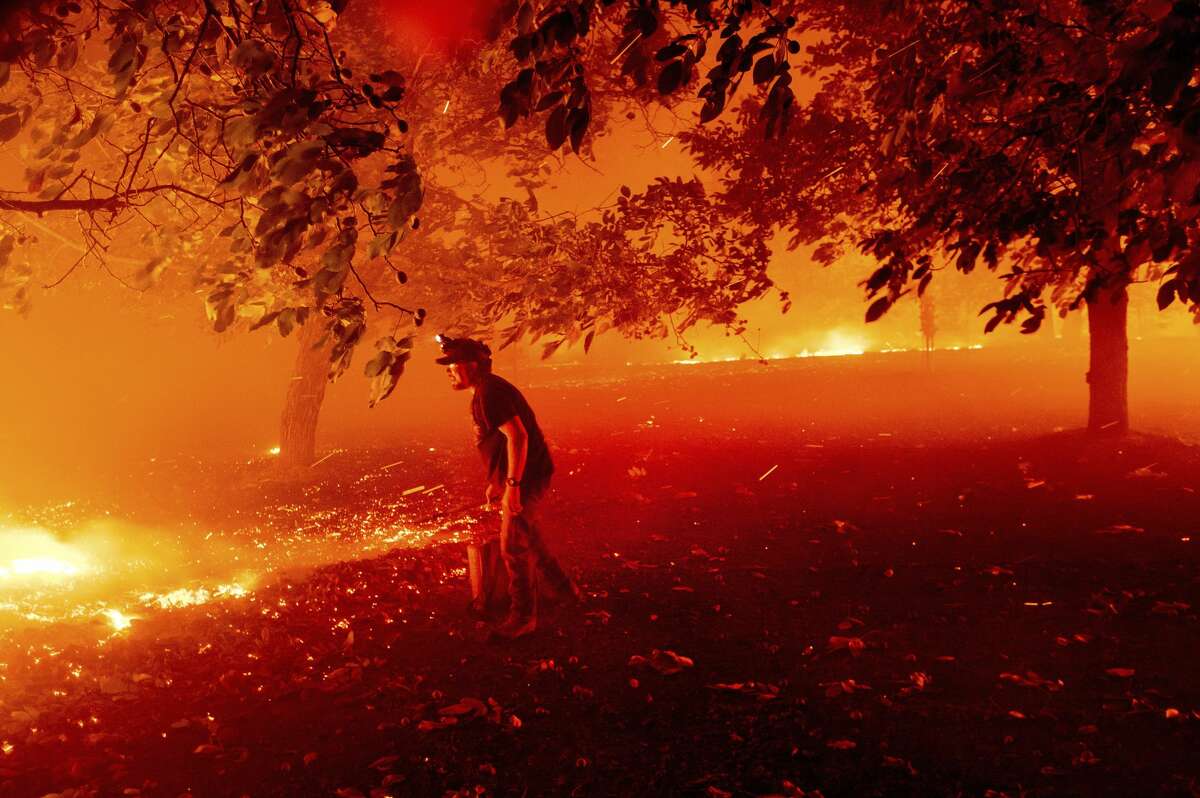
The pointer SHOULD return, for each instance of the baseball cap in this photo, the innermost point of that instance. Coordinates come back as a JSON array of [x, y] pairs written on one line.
[[462, 350]]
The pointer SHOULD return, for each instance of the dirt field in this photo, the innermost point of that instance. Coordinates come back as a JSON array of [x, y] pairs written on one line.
[[835, 579]]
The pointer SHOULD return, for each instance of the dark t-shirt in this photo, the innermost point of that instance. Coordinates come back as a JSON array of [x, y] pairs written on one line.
[[495, 402]]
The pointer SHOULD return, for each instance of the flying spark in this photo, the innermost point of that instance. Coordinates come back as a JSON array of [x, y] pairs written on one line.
[[625, 49]]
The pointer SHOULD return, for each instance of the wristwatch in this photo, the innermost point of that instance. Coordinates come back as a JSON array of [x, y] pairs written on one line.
[[512, 483]]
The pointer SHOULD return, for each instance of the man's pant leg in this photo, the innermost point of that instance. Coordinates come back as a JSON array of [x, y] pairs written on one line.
[[515, 548], [545, 563], [524, 549]]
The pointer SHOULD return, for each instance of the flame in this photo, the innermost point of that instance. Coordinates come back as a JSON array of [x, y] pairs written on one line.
[[38, 565], [838, 343], [119, 620], [189, 597], [37, 554], [274, 451]]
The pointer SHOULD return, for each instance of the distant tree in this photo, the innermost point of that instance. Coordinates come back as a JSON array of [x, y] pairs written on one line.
[[928, 323], [1056, 143]]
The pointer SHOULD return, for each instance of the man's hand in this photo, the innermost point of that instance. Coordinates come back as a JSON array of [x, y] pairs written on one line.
[[490, 494], [511, 503]]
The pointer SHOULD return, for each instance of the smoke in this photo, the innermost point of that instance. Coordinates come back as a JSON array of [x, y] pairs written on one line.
[[445, 24]]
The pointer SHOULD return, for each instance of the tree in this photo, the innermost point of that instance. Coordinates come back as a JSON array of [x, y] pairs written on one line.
[[1066, 143], [482, 265], [152, 125], [1056, 142]]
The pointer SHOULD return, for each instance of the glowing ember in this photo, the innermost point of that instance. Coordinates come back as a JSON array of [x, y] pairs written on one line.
[[6, 747], [119, 620], [189, 597], [274, 451]]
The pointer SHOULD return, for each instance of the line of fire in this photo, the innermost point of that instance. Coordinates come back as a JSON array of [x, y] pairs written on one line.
[[716, 398]]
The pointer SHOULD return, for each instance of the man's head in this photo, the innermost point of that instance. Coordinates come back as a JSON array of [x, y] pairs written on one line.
[[466, 361]]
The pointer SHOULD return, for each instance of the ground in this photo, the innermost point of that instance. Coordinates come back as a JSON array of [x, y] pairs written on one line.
[[772, 608]]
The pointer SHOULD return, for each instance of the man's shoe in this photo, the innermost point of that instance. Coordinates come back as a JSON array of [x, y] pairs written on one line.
[[512, 628], [573, 596], [568, 596]]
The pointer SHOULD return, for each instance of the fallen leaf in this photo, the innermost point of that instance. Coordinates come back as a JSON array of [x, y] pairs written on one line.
[[384, 763], [468, 706], [668, 662], [1120, 529], [854, 645]]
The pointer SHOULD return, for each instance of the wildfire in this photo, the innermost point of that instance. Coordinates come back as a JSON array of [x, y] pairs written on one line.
[[37, 566], [837, 344], [35, 554], [119, 620], [190, 597]]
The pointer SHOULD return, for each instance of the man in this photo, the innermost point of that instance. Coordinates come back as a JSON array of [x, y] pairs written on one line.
[[518, 471]]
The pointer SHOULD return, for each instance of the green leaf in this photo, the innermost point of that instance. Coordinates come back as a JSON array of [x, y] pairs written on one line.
[[300, 159], [1166, 293], [266, 319], [764, 70], [253, 58], [381, 245], [671, 77], [578, 122], [88, 133], [376, 365], [10, 126], [240, 132], [225, 316], [68, 54], [408, 200], [286, 321], [556, 127], [878, 308]]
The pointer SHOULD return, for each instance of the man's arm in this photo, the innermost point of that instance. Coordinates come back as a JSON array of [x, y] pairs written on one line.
[[517, 441]]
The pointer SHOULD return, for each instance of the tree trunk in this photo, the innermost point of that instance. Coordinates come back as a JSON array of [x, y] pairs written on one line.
[[305, 393], [1108, 371]]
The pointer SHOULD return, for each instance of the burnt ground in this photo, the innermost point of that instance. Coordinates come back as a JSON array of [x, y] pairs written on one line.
[[1009, 614]]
